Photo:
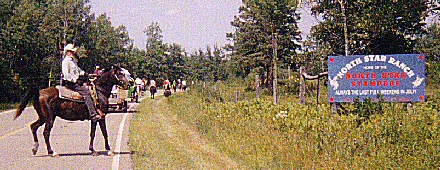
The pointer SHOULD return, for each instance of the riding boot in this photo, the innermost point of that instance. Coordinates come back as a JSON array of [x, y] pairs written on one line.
[[88, 101]]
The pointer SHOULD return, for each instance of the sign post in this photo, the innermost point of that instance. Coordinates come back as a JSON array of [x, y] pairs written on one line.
[[389, 78]]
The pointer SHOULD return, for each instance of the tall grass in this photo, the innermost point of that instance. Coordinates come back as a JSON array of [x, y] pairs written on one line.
[[260, 135], [162, 141]]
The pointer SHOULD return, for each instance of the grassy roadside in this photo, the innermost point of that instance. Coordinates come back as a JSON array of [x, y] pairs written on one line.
[[255, 134], [161, 141]]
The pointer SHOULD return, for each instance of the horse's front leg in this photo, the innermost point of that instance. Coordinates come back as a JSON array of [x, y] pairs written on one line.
[[103, 127], [92, 138]]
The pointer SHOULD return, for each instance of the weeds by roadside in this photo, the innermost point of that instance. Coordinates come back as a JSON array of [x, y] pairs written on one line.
[[257, 134]]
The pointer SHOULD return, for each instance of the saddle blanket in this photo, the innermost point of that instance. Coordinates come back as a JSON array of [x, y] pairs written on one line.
[[69, 94]]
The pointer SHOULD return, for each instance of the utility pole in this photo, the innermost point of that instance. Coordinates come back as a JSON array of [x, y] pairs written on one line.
[[275, 73], [344, 17]]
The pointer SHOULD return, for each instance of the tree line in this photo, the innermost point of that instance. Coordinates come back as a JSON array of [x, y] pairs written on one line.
[[34, 32], [344, 28]]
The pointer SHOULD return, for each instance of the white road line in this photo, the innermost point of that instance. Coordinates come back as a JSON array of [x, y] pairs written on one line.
[[115, 163]]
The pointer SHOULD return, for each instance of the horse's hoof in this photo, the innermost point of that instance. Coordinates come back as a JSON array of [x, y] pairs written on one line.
[[34, 151], [95, 153], [110, 153], [55, 155]]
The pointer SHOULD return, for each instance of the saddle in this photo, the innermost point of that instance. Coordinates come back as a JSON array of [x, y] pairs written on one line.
[[69, 94]]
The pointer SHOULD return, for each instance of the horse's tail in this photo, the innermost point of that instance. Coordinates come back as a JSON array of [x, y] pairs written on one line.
[[32, 94]]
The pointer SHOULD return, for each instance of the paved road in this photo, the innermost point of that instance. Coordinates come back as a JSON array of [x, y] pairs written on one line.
[[70, 139]]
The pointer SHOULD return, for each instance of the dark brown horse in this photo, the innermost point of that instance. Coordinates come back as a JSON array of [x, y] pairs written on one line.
[[49, 105], [153, 90]]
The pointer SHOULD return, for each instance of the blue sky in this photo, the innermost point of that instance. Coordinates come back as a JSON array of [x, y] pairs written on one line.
[[192, 23]]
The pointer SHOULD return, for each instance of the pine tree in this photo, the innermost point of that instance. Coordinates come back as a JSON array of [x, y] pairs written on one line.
[[256, 26]]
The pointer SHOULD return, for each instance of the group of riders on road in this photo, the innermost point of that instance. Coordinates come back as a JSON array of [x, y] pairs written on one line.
[[71, 73]]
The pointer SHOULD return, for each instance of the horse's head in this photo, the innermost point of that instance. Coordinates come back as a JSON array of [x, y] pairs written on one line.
[[122, 77], [114, 76]]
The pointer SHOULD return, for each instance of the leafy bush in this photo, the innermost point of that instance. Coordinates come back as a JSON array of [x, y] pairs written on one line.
[[261, 135]]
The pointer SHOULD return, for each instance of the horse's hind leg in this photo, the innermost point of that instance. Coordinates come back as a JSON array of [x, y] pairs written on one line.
[[34, 128], [103, 127], [92, 138], [46, 134]]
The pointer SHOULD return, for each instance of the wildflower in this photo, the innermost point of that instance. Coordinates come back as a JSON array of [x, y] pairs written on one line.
[[282, 114]]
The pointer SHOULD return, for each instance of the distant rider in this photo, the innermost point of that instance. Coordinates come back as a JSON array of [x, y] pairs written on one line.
[[166, 85], [183, 85], [152, 83], [138, 83]]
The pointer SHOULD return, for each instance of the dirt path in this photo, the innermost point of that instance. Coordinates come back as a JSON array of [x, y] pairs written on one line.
[[178, 145]]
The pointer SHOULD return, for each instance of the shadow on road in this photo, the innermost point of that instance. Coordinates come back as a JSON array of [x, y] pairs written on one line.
[[87, 154]]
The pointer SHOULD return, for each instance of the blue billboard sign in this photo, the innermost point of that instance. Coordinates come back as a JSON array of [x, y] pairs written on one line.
[[394, 78]]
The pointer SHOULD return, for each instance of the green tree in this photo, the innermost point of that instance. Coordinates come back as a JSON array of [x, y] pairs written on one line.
[[9, 84], [104, 44], [64, 22], [27, 45], [256, 26], [174, 62], [429, 44], [209, 65], [373, 27], [155, 51], [137, 62], [33, 34], [37, 32]]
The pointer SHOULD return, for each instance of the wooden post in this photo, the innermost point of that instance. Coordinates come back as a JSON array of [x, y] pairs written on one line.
[[334, 108], [302, 86], [289, 75], [344, 18], [257, 85], [317, 92], [275, 68], [410, 108], [236, 96]]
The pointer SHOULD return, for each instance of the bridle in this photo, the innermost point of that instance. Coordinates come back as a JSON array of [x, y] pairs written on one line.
[[119, 81]]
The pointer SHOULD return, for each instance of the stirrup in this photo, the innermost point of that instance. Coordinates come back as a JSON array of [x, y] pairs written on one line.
[[96, 117]]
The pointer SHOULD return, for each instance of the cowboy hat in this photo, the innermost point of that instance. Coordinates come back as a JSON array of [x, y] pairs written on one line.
[[69, 47]]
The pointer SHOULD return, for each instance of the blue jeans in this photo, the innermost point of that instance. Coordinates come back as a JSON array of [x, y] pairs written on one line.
[[86, 94]]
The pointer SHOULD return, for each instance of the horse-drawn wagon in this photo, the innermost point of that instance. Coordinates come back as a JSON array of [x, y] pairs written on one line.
[[119, 99]]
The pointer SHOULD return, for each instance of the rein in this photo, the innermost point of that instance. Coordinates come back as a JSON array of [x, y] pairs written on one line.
[[99, 85]]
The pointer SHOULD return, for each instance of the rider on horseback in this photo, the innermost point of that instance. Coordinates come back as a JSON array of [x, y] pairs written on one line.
[[166, 85], [152, 83], [71, 73]]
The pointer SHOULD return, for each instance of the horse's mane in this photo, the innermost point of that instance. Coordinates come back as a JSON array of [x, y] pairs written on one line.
[[104, 74], [107, 71]]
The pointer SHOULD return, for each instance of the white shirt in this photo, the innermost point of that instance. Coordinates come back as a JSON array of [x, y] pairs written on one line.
[[70, 69], [115, 89], [152, 83], [138, 81]]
